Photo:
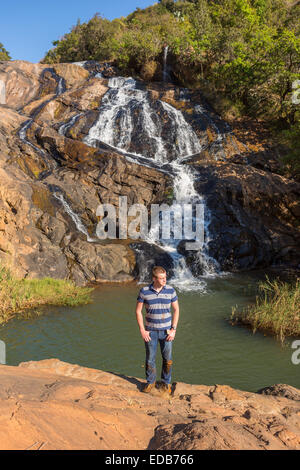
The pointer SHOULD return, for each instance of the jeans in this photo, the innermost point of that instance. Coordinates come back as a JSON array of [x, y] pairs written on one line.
[[166, 352]]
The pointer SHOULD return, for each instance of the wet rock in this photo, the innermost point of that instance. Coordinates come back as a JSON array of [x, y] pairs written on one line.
[[71, 74], [252, 216], [109, 262], [148, 256], [56, 405], [252, 210]]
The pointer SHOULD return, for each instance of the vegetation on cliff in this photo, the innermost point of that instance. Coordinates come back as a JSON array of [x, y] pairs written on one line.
[[17, 296], [244, 53], [4, 54], [277, 309]]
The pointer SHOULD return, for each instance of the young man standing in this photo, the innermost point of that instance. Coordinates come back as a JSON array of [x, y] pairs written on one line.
[[160, 326]]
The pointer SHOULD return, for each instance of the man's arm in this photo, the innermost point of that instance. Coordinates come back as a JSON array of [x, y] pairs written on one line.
[[139, 317], [175, 319]]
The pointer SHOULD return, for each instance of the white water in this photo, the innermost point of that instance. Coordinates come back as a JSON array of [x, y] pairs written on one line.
[[76, 219], [63, 129], [117, 118], [165, 73], [80, 64], [23, 136], [126, 115], [2, 92], [127, 110], [221, 136], [185, 193], [60, 86]]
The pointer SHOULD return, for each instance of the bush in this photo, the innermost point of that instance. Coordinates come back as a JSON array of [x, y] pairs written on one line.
[[4, 54], [18, 296], [248, 50], [277, 309]]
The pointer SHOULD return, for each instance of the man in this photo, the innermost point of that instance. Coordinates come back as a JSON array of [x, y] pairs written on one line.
[[159, 326]]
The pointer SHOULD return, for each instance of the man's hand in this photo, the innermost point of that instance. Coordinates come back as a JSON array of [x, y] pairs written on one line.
[[145, 335], [171, 335]]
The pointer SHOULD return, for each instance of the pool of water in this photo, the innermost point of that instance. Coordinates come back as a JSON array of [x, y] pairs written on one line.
[[207, 349]]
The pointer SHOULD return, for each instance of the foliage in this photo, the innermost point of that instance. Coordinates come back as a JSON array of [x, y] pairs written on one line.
[[18, 296], [291, 158], [277, 309], [4, 54], [247, 51]]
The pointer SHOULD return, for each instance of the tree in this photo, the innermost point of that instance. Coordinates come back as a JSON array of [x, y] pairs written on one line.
[[4, 54]]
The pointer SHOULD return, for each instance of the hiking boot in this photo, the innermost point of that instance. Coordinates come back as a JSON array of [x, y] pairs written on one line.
[[166, 388], [148, 387]]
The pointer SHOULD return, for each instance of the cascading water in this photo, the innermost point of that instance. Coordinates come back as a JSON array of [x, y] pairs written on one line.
[[127, 116], [60, 87], [50, 162], [23, 136], [129, 121], [76, 219], [165, 70], [185, 194], [2, 92], [63, 129]]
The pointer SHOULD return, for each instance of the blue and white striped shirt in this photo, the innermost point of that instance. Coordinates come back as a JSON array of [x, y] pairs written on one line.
[[158, 306]]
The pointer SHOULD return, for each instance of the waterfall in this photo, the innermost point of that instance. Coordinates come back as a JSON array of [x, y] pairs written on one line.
[[80, 64], [76, 219], [64, 127], [130, 122], [23, 136], [60, 87], [185, 193], [220, 135], [2, 92], [165, 73], [22, 132]]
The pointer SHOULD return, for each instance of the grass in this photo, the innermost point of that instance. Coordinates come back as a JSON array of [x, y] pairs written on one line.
[[19, 296], [277, 309]]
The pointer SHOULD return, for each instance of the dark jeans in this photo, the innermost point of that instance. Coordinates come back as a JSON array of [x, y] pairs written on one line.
[[166, 352]]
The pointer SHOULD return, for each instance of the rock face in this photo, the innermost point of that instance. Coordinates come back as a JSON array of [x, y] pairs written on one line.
[[73, 136], [254, 217], [51, 185], [50, 405]]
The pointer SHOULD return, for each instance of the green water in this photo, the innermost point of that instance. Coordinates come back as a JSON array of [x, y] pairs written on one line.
[[207, 349]]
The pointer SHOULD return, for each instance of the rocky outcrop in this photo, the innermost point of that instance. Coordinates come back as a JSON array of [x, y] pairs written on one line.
[[254, 217], [53, 405], [52, 185], [52, 181]]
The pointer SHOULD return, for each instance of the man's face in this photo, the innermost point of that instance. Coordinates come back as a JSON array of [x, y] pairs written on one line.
[[160, 280]]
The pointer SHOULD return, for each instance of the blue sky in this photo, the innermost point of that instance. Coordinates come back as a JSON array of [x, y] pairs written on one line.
[[27, 28]]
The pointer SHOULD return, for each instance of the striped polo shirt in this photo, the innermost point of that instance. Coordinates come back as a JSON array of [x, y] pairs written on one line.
[[158, 306]]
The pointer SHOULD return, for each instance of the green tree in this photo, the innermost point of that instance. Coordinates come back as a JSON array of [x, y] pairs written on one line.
[[4, 54], [245, 50]]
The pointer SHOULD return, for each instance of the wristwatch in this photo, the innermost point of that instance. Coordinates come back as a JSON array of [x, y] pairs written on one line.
[[173, 328]]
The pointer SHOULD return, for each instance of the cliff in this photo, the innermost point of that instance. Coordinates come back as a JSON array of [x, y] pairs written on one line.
[[73, 137], [50, 404]]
